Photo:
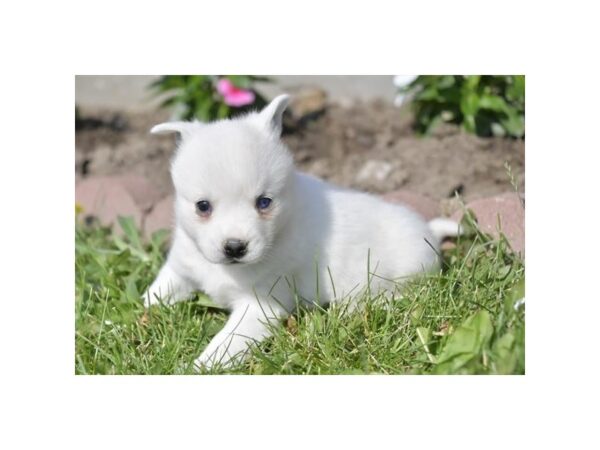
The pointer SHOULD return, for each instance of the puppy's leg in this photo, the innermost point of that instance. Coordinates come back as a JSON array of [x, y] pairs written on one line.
[[247, 324], [168, 288]]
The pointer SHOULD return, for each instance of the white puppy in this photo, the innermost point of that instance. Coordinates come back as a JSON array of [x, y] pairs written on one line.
[[259, 237]]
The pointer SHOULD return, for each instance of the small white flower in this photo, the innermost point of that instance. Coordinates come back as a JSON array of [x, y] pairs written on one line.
[[403, 80], [108, 322], [519, 303]]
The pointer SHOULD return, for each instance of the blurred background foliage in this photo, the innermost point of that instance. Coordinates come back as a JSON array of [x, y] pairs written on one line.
[[209, 97], [486, 105]]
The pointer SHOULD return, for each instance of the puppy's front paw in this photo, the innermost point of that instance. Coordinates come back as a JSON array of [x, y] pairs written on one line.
[[216, 358], [209, 361], [168, 288]]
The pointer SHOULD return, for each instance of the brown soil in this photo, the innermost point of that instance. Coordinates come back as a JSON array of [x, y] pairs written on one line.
[[335, 145]]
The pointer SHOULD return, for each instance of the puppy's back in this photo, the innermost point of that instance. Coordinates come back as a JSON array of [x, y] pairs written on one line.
[[352, 233]]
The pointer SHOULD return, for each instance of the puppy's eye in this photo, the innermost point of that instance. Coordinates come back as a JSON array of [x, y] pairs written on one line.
[[203, 207], [263, 202]]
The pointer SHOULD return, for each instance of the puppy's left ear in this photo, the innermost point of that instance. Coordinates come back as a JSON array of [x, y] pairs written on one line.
[[271, 115], [173, 127]]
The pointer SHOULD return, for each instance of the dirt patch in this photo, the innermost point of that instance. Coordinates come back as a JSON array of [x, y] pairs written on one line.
[[368, 145]]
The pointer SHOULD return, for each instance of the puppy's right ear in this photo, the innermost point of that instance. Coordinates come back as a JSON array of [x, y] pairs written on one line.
[[182, 128], [271, 117]]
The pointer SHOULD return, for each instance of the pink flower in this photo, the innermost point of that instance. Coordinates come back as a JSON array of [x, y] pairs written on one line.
[[234, 96]]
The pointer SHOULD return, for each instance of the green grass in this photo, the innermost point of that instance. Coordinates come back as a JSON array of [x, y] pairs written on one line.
[[461, 320]]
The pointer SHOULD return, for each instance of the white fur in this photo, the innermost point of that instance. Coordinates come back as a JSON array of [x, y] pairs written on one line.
[[314, 244], [441, 228]]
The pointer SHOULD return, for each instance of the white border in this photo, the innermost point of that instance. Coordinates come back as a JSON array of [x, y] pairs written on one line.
[[46, 43]]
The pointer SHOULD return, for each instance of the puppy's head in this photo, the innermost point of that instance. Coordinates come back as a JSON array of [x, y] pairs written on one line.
[[233, 182]]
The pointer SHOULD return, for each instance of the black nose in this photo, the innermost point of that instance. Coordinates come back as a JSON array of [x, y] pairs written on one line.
[[234, 248]]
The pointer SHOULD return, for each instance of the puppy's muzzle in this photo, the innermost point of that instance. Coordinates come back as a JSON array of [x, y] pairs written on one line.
[[235, 248]]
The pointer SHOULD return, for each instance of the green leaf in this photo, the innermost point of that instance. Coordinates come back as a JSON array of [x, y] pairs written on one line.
[[222, 111], [515, 92], [240, 81], [131, 290], [469, 104], [131, 231], [169, 82], [472, 81], [203, 109], [446, 81], [466, 343], [416, 314], [514, 124], [429, 94], [505, 358], [469, 123], [493, 102]]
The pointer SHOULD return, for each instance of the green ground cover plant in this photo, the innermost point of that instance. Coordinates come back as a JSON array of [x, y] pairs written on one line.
[[486, 105], [464, 319]]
